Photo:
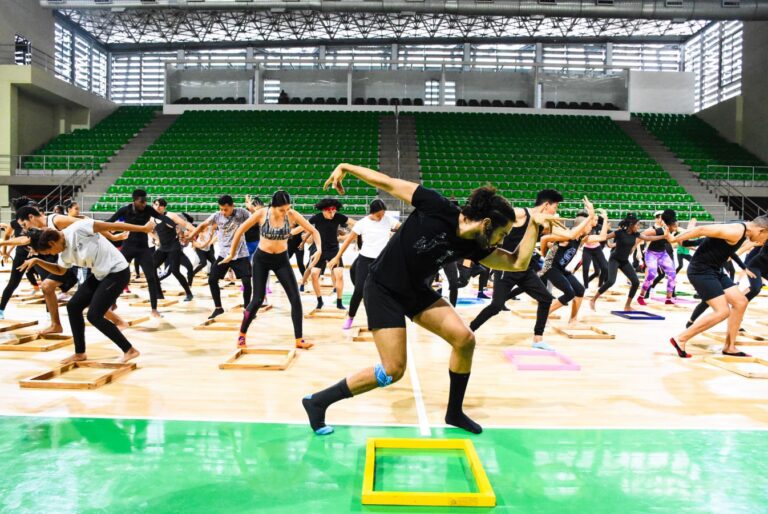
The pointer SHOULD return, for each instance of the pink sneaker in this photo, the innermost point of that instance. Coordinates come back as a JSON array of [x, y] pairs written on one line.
[[669, 302], [269, 290], [348, 323], [641, 300]]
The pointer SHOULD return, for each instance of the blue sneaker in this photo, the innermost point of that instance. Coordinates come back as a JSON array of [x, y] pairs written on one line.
[[541, 345]]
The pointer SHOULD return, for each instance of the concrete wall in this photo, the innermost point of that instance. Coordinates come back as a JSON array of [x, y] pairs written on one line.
[[28, 19], [668, 92], [35, 107], [754, 88], [727, 118], [37, 123]]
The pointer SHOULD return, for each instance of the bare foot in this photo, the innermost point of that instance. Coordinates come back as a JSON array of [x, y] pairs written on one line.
[[121, 324], [573, 323], [156, 314], [592, 303], [130, 354], [628, 307], [78, 357], [53, 329]]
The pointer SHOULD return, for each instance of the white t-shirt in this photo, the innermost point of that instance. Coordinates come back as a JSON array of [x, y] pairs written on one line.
[[86, 249], [375, 234]]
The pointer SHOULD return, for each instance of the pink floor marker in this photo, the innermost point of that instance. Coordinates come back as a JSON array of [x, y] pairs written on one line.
[[559, 361]]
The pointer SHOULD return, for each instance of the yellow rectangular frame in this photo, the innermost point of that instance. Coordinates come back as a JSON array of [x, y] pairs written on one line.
[[485, 497]]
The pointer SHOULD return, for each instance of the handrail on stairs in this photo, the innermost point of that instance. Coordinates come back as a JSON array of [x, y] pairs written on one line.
[[71, 182], [722, 188]]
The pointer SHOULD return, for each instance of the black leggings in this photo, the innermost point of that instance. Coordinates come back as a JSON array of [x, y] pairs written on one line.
[[590, 256], [360, 267], [173, 259], [98, 296], [143, 257], [242, 270], [681, 258], [205, 257], [293, 249], [452, 274], [20, 255], [531, 284], [565, 282], [261, 264], [629, 272], [475, 270]]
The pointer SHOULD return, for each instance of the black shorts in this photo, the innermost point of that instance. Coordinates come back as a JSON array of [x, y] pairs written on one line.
[[66, 281], [324, 258], [386, 309], [709, 284]]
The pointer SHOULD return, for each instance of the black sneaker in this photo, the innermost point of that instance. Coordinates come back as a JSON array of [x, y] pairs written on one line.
[[216, 312]]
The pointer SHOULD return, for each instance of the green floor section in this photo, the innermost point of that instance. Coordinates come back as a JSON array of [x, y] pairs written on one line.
[[122, 466]]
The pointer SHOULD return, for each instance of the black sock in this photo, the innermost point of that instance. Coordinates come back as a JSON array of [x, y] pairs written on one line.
[[339, 305], [317, 403], [216, 312], [319, 302], [454, 415]]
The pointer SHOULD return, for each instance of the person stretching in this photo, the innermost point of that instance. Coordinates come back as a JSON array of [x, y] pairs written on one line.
[[272, 255], [375, 229], [715, 288], [436, 232], [81, 245]]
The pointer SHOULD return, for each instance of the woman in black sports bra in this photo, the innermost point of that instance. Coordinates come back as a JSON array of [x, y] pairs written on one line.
[[705, 272], [272, 255]]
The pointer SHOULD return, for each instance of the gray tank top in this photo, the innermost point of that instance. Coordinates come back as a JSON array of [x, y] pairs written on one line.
[[275, 233]]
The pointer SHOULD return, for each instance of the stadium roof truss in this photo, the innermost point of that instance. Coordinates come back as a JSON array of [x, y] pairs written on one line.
[[134, 29]]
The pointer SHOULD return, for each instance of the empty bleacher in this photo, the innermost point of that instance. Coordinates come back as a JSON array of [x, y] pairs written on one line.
[[90, 148], [700, 146], [209, 153], [523, 153]]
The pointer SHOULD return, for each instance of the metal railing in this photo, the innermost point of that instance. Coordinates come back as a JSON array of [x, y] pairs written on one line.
[[735, 174], [31, 57], [68, 188], [734, 198], [20, 165]]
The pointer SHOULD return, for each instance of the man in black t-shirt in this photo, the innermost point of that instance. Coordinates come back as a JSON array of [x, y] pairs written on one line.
[[435, 233], [327, 222], [136, 246]]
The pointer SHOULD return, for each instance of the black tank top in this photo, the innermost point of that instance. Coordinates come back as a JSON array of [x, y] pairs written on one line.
[[565, 254], [713, 253], [512, 241], [657, 246], [169, 239]]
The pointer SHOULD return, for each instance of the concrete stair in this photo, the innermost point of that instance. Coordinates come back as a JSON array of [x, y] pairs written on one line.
[[398, 153], [676, 169], [124, 158]]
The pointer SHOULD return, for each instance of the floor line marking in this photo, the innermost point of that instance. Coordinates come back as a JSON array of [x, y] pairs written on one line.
[[421, 410]]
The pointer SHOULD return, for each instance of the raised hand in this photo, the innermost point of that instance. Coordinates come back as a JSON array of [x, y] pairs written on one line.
[[335, 180]]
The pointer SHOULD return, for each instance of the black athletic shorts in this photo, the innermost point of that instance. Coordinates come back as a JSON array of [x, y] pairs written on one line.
[[324, 258], [66, 281], [709, 284], [386, 309]]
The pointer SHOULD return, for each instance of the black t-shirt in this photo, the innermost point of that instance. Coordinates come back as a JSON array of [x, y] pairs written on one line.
[[129, 214], [329, 231], [624, 244], [425, 242], [253, 234], [759, 259]]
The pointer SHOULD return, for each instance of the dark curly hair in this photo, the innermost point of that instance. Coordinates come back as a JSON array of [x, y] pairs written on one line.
[[629, 220], [484, 202], [326, 203]]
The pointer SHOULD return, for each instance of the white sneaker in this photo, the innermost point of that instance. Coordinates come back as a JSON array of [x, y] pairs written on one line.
[[541, 345]]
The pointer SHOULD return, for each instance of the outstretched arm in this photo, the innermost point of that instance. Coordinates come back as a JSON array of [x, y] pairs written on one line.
[[104, 226], [401, 189], [731, 232]]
